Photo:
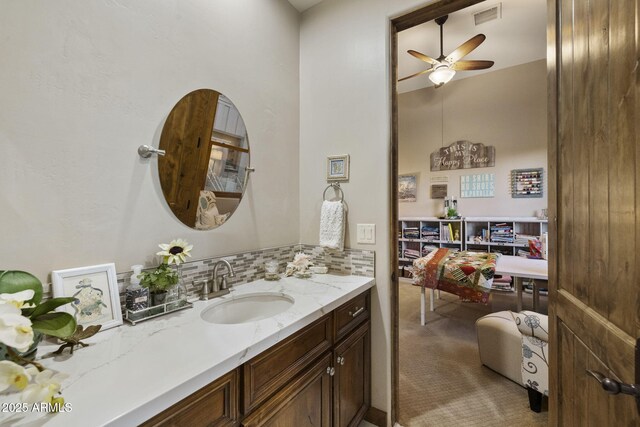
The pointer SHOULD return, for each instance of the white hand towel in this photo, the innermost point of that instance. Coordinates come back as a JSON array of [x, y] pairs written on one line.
[[332, 224]]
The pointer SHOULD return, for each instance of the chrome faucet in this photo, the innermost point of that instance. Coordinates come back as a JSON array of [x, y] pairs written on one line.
[[218, 289], [230, 273]]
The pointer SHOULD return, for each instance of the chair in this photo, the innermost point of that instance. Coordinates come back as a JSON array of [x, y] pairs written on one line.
[[515, 345]]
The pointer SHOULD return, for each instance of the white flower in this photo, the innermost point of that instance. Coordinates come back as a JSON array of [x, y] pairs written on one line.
[[14, 375], [18, 299], [175, 252], [15, 329], [47, 384]]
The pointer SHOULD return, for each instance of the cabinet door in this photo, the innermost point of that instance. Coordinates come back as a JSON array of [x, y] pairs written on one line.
[[213, 405], [304, 402], [268, 372], [352, 389]]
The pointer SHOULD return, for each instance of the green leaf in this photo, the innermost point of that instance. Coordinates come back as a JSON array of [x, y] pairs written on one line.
[[50, 305], [57, 324], [159, 279], [16, 281]]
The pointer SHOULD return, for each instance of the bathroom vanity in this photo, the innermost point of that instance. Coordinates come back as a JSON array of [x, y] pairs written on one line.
[[320, 376], [311, 360]]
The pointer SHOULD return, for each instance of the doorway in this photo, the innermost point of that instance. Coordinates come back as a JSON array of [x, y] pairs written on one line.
[[402, 292]]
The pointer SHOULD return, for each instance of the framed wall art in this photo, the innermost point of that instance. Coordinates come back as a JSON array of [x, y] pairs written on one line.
[[338, 168], [95, 289], [526, 183], [407, 188]]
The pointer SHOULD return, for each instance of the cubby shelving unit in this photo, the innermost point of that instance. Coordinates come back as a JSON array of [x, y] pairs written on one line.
[[506, 235], [418, 236]]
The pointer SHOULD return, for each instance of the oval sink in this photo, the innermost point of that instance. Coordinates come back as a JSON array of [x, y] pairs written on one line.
[[247, 308]]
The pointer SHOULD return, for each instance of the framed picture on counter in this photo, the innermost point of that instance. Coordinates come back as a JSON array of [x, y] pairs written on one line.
[[95, 289]]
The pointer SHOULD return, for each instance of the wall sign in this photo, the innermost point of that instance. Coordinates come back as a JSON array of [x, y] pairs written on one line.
[[477, 185], [463, 155], [440, 179], [438, 191]]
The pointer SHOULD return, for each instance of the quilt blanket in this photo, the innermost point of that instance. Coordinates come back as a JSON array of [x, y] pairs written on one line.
[[466, 274]]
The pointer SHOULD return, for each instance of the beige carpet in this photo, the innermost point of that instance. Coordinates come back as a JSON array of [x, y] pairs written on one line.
[[442, 382]]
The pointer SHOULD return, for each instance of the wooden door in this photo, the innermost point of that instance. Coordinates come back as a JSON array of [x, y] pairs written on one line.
[[351, 389], [594, 194]]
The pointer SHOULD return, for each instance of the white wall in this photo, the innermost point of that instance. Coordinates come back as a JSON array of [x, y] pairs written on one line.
[[345, 109], [84, 83], [506, 109]]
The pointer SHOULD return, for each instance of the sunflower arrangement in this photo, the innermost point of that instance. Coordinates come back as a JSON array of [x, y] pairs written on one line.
[[164, 276], [175, 252]]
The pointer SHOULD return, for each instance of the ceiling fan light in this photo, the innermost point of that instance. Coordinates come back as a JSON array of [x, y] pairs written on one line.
[[442, 75]]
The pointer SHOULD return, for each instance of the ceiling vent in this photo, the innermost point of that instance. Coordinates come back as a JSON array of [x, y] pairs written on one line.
[[494, 12]]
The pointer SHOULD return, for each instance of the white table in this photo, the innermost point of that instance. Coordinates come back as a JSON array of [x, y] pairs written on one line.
[[516, 266], [521, 267]]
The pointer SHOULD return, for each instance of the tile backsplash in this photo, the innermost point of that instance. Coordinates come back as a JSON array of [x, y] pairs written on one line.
[[249, 266]]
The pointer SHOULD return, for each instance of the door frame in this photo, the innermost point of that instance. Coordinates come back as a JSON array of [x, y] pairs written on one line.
[[552, 191], [404, 22]]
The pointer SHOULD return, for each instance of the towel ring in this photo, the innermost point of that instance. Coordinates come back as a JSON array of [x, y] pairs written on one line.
[[336, 187]]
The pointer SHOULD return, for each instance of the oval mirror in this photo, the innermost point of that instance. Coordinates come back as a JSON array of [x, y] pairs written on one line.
[[204, 171]]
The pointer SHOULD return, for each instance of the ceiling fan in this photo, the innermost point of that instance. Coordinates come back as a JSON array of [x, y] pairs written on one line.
[[444, 68]]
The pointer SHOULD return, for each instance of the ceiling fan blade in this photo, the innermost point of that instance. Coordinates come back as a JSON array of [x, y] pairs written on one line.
[[471, 65], [416, 74], [423, 57], [465, 48]]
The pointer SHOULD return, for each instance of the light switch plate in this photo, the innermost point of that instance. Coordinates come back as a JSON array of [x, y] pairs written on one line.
[[366, 234]]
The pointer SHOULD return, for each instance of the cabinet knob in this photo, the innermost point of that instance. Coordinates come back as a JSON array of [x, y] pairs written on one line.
[[331, 371], [340, 360]]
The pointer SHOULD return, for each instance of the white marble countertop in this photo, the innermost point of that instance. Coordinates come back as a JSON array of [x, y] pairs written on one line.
[[130, 373]]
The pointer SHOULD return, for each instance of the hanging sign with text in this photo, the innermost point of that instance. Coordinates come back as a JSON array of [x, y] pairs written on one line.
[[463, 155], [477, 185]]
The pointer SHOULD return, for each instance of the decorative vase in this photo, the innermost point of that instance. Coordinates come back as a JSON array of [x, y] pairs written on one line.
[[158, 298], [179, 290], [30, 354]]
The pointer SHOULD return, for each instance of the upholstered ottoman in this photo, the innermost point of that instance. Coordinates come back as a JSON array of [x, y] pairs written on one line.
[[500, 344]]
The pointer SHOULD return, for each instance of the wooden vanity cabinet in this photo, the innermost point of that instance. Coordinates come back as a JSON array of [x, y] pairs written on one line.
[[320, 376], [343, 371], [215, 405]]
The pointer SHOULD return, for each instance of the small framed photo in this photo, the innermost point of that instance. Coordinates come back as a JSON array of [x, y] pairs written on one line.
[[95, 289], [338, 168]]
